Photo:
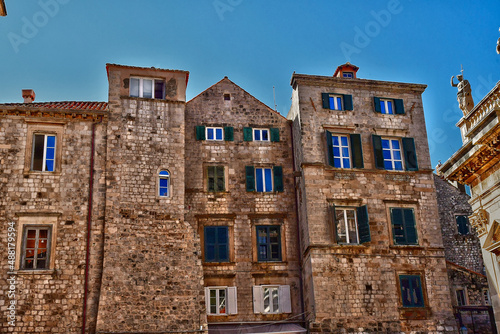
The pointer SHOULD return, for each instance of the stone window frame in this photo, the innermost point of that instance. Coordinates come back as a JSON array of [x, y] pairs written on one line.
[[217, 221], [53, 128], [263, 221], [205, 177], [25, 220], [413, 313], [465, 296], [170, 184]]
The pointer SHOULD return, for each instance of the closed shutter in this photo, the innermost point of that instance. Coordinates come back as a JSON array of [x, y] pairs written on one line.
[[410, 228], [399, 106], [247, 134], [278, 178], [200, 132], [232, 300], [207, 300], [275, 134], [462, 225], [410, 154], [329, 148], [398, 233], [356, 151], [220, 180], [250, 178], [347, 102], [228, 133], [377, 151], [363, 224], [376, 102], [285, 303], [257, 299], [325, 97]]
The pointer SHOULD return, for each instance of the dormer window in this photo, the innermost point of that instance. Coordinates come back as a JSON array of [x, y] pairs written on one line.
[[147, 88], [348, 75]]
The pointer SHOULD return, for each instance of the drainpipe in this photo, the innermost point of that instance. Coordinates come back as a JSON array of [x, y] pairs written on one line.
[[89, 229], [301, 283]]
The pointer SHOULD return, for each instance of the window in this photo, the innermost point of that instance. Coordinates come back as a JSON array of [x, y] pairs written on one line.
[[389, 153], [411, 291], [44, 153], [36, 247], [227, 97], [268, 299], [264, 179], [461, 297], [216, 241], [351, 225], [216, 180], [221, 300], [214, 133], [344, 150], [349, 75], [463, 226], [164, 183], [404, 231], [262, 135], [147, 88], [389, 106], [268, 243], [336, 101]]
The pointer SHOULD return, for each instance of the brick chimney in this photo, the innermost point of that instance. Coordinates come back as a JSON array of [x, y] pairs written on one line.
[[28, 95]]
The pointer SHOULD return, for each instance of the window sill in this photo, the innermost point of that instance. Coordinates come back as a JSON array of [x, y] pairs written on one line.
[[412, 247], [414, 313], [36, 172], [213, 264], [35, 272]]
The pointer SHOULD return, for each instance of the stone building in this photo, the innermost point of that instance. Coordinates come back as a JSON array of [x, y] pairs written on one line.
[[476, 164], [151, 214], [372, 251]]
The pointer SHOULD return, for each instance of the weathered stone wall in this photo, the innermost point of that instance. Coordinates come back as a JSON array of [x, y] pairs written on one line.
[[50, 300], [152, 277], [236, 207], [355, 287]]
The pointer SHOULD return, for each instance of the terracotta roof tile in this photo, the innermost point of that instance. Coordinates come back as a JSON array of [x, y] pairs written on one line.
[[68, 105]]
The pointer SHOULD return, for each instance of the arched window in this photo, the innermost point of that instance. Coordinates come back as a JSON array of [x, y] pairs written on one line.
[[164, 183]]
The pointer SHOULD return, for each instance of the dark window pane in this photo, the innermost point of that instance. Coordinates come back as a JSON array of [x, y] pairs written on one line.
[[210, 235], [265, 135], [256, 134], [223, 256], [28, 264], [30, 253], [222, 235], [210, 253], [38, 143], [40, 264], [159, 89]]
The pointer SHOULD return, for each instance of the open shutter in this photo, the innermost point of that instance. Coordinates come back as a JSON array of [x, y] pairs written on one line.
[[356, 151], [200, 132], [376, 102], [228, 133], [400, 106], [325, 97], [247, 134], [347, 102], [207, 300], [250, 178], [410, 228], [363, 224], [257, 299], [329, 148], [278, 178], [285, 303], [410, 154], [275, 134], [232, 300], [333, 218], [377, 151]]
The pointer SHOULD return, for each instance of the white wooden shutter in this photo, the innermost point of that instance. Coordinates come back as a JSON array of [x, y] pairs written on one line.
[[232, 300], [207, 300], [284, 299], [257, 299]]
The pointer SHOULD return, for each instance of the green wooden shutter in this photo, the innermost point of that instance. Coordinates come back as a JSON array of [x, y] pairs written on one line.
[[250, 178], [398, 231], [356, 151], [278, 178], [376, 101], [220, 180], [363, 224], [247, 134], [347, 102], [377, 151], [211, 178], [329, 148], [325, 97], [409, 227], [410, 154], [275, 134], [399, 106], [462, 225], [200, 132], [228, 133], [333, 219]]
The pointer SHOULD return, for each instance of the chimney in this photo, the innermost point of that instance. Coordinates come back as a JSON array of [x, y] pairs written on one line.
[[28, 95]]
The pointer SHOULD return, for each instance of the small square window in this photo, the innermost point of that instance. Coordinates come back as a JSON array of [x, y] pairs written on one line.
[[36, 247], [387, 106], [44, 153], [404, 230], [215, 178], [227, 97], [213, 133], [216, 239], [411, 291], [391, 150], [221, 300], [261, 135], [147, 88], [349, 75], [272, 299], [268, 243], [335, 102]]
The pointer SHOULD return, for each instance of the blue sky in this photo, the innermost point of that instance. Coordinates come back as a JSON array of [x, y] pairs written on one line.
[[59, 48]]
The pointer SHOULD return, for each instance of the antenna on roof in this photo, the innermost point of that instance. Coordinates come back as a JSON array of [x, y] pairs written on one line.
[[274, 95]]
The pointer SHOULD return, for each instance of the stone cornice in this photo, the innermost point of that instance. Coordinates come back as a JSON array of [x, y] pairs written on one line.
[[85, 115]]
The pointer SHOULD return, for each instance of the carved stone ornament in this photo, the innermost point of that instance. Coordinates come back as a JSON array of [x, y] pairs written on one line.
[[479, 220]]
